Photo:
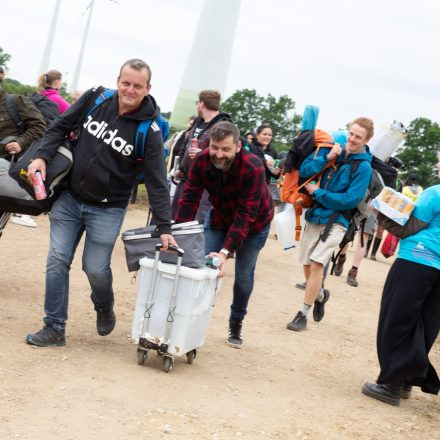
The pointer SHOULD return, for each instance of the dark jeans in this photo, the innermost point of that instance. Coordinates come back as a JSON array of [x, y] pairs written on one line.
[[68, 220], [245, 261]]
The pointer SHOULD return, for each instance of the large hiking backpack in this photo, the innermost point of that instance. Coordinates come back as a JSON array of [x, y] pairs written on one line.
[[292, 185], [47, 108]]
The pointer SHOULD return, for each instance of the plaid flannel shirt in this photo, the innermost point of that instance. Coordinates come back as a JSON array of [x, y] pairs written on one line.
[[241, 200]]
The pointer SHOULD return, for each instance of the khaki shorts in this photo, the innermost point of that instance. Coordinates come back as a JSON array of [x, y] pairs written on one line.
[[312, 248]]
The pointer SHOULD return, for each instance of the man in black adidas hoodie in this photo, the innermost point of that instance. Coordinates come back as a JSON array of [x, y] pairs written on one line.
[[103, 174]]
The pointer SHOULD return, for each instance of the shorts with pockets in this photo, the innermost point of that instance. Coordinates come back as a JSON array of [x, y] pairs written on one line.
[[312, 248]]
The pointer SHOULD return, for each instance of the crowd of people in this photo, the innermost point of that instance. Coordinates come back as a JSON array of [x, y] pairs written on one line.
[[228, 182]]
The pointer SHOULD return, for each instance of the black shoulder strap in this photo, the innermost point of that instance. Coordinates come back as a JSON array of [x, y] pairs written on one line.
[[354, 166], [11, 107]]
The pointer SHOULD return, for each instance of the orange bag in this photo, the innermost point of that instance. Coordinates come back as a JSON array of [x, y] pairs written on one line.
[[289, 181]]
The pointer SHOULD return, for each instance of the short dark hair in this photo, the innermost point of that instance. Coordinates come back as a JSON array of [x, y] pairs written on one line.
[[138, 65], [211, 99], [262, 127], [224, 129]]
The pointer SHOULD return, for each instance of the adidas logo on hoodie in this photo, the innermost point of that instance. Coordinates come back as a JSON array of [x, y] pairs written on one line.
[[98, 129]]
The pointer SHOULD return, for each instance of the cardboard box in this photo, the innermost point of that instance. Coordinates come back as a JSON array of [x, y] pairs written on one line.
[[394, 205]]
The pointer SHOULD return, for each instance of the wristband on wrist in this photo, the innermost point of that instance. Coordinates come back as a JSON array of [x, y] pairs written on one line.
[[225, 252]]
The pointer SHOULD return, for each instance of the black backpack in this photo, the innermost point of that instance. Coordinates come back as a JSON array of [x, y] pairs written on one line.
[[48, 109]]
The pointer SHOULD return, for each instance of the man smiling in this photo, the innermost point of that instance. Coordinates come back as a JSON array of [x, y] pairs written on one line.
[[340, 189], [241, 211], [104, 171]]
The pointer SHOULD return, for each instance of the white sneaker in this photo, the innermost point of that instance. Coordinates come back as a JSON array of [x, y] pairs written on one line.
[[23, 220]]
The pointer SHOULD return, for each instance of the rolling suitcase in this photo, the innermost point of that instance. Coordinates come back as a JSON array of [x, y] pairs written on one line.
[[173, 308]]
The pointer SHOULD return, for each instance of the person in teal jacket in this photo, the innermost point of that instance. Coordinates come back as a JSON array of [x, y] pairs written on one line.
[[339, 190], [409, 319]]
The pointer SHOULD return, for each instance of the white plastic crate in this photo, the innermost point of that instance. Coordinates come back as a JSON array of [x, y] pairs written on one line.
[[196, 292]]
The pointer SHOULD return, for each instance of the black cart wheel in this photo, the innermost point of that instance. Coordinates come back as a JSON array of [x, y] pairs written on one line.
[[168, 363], [190, 356], [142, 356]]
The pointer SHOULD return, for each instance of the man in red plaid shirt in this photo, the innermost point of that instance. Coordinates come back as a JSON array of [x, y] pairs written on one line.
[[242, 210]]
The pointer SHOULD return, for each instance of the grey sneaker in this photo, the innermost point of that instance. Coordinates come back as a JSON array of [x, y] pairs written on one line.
[[301, 286], [46, 337], [319, 307], [298, 323]]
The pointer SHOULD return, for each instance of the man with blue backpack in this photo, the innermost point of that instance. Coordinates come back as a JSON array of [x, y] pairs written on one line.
[[118, 134], [336, 194]]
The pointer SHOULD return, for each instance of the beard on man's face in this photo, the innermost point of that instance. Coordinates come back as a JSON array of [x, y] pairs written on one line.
[[223, 164]]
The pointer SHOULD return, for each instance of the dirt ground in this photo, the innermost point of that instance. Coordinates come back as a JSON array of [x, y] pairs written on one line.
[[281, 385]]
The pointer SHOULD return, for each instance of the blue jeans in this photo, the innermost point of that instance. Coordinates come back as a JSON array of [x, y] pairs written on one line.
[[69, 218], [245, 261]]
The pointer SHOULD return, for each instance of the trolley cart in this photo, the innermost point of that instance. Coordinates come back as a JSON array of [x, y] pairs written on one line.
[[173, 308]]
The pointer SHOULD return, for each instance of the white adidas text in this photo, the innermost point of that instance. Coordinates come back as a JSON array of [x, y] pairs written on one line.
[[98, 129]]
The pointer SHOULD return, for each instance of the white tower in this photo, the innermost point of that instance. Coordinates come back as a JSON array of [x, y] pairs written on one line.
[[208, 62], [50, 38]]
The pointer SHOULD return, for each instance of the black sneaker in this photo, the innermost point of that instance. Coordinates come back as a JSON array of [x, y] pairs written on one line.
[[46, 337], [298, 323], [319, 307], [235, 339], [105, 321], [384, 393], [339, 266]]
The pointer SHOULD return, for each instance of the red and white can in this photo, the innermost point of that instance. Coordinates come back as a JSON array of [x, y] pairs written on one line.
[[39, 188]]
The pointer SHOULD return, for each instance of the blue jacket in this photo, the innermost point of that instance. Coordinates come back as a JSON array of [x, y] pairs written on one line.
[[340, 189]]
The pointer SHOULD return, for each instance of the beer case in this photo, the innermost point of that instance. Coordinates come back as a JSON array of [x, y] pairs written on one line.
[[393, 205]]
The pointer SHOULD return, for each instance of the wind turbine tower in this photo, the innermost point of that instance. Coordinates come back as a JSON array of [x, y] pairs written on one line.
[[209, 58], [50, 38]]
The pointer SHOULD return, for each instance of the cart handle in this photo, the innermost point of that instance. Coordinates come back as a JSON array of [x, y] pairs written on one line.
[[171, 248]]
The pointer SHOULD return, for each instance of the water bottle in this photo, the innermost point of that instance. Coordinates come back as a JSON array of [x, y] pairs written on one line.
[[213, 262]]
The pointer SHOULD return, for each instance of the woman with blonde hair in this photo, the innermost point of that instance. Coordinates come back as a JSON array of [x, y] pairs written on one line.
[[49, 85]]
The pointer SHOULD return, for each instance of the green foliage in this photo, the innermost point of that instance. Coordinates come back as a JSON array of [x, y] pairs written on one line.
[[13, 86], [419, 153], [249, 110], [4, 58], [64, 93]]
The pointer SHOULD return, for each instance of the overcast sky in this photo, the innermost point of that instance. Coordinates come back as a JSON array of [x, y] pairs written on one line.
[[379, 58]]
